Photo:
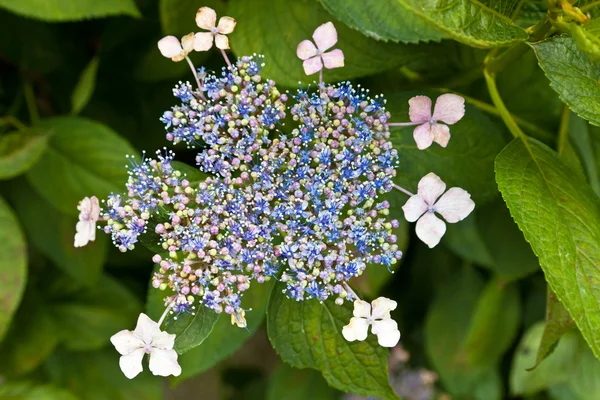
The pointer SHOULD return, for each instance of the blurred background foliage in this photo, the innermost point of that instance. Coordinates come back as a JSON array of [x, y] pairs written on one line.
[[82, 84]]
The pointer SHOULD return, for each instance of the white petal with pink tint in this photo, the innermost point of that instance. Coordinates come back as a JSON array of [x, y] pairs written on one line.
[[188, 42], [203, 41], [226, 25], [306, 49], [455, 205], [206, 18], [169, 46], [441, 134], [449, 108], [430, 229], [423, 136], [382, 306], [362, 309], [414, 208], [356, 329], [419, 109], [430, 188], [325, 36], [312, 65], [222, 42], [333, 59]]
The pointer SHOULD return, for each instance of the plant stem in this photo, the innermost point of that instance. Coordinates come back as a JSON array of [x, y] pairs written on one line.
[[227, 60], [162, 317], [349, 290], [34, 115], [589, 5], [563, 132], [504, 113], [10, 120], [400, 188], [403, 123]]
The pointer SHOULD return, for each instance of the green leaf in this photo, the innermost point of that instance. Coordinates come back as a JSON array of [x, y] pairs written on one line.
[[177, 17], [85, 87], [226, 338], [448, 323], [84, 158], [558, 322], [494, 324], [66, 10], [467, 161], [559, 215], [557, 368], [586, 140], [572, 75], [476, 23], [295, 21], [13, 265], [53, 233], [19, 151], [379, 20], [91, 316], [308, 334], [30, 391], [292, 384], [191, 330], [95, 375]]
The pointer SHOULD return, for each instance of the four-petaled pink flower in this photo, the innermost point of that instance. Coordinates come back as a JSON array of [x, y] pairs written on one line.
[[170, 47], [89, 212], [146, 338], [314, 57], [455, 205], [449, 108], [206, 18]]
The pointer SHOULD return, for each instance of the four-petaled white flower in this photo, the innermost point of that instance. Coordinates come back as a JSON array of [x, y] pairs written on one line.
[[325, 36], [89, 212], [376, 314], [206, 18], [449, 108], [147, 338], [170, 47], [455, 205]]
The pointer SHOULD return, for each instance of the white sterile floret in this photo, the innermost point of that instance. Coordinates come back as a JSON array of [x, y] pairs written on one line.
[[146, 338], [376, 314], [325, 37], [206, 18], [89, 212], [170, 47], [455, 205]]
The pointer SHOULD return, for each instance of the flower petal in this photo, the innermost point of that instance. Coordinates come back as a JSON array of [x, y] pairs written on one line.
[[164, 362], [357, 329], [94, 209], [126, 342], [238, 318], [423, 136], [414, 208], [131, 364], [188, 43], [203, 41], [306, 49], [146, 329], [163, 340], [312, 65], [226, 25], [449, 108], [430, 229], [441, 134], [222, 42], [362, 309], [387, 332], [382, 307], [325, 36], [430, 188], [455, 205], [169, 47], [85, 232], [333, 59], [206, 18], [419, 109]]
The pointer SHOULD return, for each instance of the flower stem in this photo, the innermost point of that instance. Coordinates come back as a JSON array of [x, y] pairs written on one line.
[[563, 132], [198, 82], [226, 60], [34, 115], [497, 100], [349, 290], [162, 317], [321, 78], [403, 123], [400, 188], [589, 5]]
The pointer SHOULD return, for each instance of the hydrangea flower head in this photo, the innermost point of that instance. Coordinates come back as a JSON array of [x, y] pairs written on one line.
[[449, 108], [206, 18], [89, 212], [376, 314], [170, 47], [315, 57], [455, 205], [146, 338]]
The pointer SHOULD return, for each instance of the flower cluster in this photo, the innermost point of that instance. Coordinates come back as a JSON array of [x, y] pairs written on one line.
[[303, 206]]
